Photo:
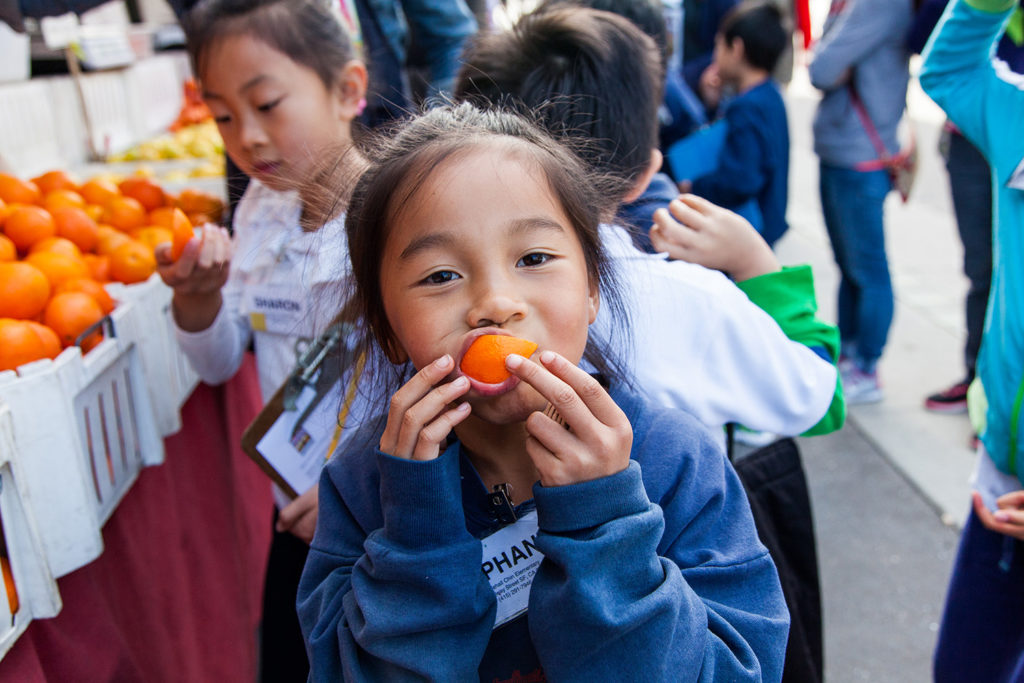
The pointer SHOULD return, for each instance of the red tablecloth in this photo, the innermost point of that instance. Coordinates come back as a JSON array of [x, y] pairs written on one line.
[[177, 593]]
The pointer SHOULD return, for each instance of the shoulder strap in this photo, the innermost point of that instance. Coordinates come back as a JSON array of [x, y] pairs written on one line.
[[865, 121]]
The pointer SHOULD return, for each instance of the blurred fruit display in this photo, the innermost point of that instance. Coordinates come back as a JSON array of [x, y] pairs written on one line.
[[61, 242]]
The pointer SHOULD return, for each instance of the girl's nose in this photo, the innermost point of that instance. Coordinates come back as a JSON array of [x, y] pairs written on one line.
[[251, 135], [496, 304]]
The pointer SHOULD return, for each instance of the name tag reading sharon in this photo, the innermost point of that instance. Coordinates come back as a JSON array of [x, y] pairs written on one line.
[[276, 309], [510, 561]]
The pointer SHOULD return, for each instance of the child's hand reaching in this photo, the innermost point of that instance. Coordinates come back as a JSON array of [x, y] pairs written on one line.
[[419, 418], [600, 437], [695, 230], [203, 265], [1008, 519], [197, 276]]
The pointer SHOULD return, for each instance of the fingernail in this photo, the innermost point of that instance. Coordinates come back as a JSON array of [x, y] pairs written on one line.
[[1002, 516], [444, 361], [513, 361], [461, 382], [547, 357]]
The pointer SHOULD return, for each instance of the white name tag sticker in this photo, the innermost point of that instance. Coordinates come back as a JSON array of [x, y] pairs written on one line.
[[277, 309], [510, 561]]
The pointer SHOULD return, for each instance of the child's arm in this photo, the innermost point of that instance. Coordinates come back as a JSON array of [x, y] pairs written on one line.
[[671, 587], [205, 305], [959, 74], [392, 588], [857, 32], [694, 230]]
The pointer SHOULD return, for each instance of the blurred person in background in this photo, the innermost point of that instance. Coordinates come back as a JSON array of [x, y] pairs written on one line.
[[861, 66]]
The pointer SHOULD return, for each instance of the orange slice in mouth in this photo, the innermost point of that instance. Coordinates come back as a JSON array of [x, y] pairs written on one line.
[[485, 358]]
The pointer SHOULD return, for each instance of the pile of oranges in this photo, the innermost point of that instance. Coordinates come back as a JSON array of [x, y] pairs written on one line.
[[60, 242]]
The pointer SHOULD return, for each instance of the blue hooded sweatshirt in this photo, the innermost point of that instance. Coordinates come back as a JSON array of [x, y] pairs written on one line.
[[652, 574]]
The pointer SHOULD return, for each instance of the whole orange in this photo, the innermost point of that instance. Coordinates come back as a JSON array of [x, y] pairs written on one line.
[[87, 285], [19, 344], [8, 252], [14, 190], [50, 340], [109, 239], [131, 262], [99, 266], [485, 358], [27, 225], [76, 225], [70, 314], [62, 198], [98, 191], [95, 211], [124, 213], [54, 180], [57, 245], [143, 190], [24, 290], [58, 267], [153, 235], [183, 232]]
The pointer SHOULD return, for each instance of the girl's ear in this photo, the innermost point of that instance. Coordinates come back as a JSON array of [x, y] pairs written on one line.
[[594, 302], [351, 89]]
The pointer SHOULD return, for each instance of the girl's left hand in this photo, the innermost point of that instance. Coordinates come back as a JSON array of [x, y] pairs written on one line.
[[299, 516], [600, 437], [1007, 519]]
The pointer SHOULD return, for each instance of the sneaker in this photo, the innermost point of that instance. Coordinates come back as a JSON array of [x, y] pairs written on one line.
[[861, 387], [950, 401]]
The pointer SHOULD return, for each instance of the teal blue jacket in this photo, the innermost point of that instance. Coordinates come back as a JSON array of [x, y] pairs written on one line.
[[986, 101]]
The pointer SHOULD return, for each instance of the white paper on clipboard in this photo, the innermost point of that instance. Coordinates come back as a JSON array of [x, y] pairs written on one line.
[[299, 459]]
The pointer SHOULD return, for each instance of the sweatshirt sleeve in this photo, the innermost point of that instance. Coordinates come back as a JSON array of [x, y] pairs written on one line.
[[961, 76], [858, 31], [408, 601], [739, 175], [788, 297], [216, 352], [630, 590]]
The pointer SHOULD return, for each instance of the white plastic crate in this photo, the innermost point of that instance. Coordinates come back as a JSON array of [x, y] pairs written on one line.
[[169, 376], [29, 590], [154, 94], [84, 427], [28, 144]]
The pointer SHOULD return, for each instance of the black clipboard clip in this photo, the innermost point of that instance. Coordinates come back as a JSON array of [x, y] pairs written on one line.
[[312, 369]]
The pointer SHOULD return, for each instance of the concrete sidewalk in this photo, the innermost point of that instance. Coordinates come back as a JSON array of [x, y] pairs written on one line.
[[925, 349]]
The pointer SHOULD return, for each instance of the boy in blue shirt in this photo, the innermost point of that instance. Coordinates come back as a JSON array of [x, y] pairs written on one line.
[[754, 161]]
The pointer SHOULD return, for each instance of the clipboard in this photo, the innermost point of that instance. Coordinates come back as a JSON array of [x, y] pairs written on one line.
[[298, 428]]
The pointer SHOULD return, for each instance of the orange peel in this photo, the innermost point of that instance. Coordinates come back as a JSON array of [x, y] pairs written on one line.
[[485, 358]]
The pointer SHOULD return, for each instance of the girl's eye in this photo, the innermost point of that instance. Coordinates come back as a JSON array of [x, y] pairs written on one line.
[[221, 120], [534, 259], [441, 277], [270, 105]]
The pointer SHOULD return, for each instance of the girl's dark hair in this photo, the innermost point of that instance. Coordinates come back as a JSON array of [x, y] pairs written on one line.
[[304, 30], [589, 74], [402, 162]]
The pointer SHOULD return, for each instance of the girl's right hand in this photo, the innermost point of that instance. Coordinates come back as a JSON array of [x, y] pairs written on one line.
[[419, 418], [202, 267]]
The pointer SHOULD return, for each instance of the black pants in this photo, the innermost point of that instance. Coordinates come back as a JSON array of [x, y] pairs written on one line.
[[971, 185], [282, 650]]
